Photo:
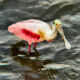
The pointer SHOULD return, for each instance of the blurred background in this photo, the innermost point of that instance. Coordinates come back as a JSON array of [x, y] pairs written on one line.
[[51, 61]]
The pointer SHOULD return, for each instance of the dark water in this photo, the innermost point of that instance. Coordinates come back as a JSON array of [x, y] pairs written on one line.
[[50, 60]]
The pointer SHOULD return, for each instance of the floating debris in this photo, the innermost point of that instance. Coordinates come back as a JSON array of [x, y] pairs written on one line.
[[32, 58], [56, 66], [21, 55], [4, 64]]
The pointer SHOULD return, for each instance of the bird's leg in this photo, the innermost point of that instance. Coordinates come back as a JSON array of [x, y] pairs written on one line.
[[35, 45], [29, 48]]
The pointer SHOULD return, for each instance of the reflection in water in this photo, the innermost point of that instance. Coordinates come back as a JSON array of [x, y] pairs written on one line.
[[32, 67], [57, 66]]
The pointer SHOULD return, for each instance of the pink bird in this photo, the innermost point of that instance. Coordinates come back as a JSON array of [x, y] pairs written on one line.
[[34, 31]]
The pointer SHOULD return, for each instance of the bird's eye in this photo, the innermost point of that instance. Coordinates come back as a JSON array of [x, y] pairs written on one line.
[[56, 24]]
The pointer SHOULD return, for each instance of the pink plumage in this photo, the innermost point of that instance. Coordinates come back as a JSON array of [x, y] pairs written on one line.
[[29, 30]]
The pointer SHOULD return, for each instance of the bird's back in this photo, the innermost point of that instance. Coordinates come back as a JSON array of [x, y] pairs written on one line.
[[33, 25]]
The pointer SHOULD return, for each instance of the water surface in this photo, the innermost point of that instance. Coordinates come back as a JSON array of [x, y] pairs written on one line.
[[50, 60]]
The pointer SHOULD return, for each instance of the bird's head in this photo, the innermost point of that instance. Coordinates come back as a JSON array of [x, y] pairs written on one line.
[[58, 27], [57, 23]]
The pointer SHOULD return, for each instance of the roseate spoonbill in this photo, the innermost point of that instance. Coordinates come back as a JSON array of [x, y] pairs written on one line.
[[34, 31]]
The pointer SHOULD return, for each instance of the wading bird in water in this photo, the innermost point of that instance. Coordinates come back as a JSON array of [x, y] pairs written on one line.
[[34, 31]]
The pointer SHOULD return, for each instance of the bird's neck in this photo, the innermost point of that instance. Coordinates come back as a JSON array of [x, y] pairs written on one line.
[[54, 28]]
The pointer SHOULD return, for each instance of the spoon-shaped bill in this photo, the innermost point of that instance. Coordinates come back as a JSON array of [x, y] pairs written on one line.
[[67, 44]]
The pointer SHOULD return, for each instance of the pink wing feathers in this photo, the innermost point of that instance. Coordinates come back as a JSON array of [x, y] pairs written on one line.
[[29, 36], [20, 30]]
